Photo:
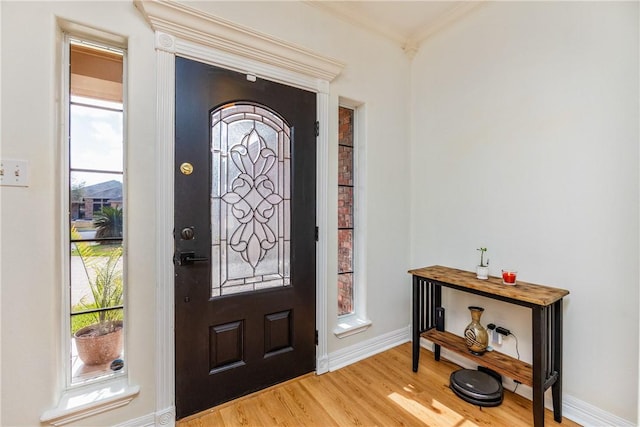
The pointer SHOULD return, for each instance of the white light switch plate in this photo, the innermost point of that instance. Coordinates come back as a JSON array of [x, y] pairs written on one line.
[[14, 173]]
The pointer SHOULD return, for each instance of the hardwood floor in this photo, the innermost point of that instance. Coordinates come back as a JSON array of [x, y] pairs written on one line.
[[379, 391]]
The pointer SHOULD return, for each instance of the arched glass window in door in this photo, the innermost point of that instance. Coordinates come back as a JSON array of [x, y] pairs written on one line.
[[250, 199]]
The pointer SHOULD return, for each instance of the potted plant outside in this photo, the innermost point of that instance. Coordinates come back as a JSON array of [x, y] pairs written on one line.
[[482, 270], [102, 341]]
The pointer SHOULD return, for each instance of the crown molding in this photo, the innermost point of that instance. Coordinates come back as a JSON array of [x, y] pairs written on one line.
[[346, 12], [193, 25], [409, 41], [443, 21]]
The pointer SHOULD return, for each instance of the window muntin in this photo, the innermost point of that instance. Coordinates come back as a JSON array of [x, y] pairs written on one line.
[[346, 202], [95, 175]]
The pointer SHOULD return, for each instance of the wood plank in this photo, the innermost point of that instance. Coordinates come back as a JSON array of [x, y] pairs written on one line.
[[344, 412], [373, 397], [297, 398], [379, 391], [522, 291], [499, 362]]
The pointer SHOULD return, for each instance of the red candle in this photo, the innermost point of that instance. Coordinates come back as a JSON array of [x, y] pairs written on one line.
[[509, 277]]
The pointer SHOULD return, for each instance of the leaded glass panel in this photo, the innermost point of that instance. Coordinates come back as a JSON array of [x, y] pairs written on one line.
[[250, 199]]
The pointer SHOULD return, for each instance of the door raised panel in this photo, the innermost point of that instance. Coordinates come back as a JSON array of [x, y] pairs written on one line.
[[226, 346], [277, 333]]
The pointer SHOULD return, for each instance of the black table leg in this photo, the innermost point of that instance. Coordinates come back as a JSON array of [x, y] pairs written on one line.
[[415, 332], [436, 301], [539, 324], [556, 363]]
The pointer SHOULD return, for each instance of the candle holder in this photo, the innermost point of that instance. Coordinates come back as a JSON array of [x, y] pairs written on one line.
[[509, 277]]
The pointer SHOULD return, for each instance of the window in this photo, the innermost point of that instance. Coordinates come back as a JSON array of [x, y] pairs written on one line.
[[95, 173], [351, 280], [345, 211], [250, 135], [94, 227]]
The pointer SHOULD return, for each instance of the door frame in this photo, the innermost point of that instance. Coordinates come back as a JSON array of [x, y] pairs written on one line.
[[223, 44]]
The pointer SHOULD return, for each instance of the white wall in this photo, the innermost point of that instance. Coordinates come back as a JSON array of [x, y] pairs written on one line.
[[31, 216], [525, 140]]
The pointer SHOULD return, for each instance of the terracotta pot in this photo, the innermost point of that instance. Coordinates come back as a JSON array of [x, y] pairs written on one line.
[[94, 349]]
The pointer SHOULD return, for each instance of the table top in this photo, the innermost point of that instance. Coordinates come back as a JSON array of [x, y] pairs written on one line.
[[522, 291]]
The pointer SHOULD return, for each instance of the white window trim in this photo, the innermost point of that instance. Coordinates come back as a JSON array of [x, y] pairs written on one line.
[[357, 321], [84, 400], [351, 324], [76, 404]]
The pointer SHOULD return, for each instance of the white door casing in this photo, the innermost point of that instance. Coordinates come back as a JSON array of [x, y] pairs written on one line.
[[187, 32]]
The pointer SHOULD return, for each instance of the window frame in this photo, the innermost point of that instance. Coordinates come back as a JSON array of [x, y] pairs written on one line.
[[70, 39], [356, 321]]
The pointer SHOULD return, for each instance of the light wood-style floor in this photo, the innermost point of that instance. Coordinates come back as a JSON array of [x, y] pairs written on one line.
[[379, 391]]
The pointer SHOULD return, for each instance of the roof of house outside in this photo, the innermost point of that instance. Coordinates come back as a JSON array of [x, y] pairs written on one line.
[[111, 190]]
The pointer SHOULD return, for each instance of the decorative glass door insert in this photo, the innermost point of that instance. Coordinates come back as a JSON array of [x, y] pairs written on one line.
[[250, 199]]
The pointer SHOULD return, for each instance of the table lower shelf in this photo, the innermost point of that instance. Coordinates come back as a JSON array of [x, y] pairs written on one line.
[[499, 362]]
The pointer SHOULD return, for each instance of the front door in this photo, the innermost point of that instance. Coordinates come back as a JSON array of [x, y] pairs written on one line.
[[245, 167]]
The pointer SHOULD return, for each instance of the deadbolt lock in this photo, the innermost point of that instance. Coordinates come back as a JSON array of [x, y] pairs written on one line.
[[186, 168], [187, 233]]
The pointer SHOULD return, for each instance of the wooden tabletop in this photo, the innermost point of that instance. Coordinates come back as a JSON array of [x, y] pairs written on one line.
[[521, 291]]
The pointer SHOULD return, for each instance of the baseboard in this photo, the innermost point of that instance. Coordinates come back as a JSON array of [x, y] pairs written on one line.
[[346, 356], [574, 409], [588, 415], [163, 418], [144, 421]]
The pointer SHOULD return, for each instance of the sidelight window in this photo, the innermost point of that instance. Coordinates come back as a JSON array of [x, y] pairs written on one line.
[[96, 205], [351, 224], [93, 227], [346, 204]]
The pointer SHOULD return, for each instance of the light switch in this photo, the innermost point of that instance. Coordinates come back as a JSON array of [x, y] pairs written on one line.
[[14, 173]]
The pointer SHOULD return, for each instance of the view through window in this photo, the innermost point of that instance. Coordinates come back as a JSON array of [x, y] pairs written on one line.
[[345, 211], [96, 205]]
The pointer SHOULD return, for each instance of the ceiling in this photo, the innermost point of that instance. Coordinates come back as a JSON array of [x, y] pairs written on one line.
[[407, 23]]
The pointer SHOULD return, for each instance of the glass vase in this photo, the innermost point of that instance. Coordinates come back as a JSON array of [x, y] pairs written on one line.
[[475, 334]]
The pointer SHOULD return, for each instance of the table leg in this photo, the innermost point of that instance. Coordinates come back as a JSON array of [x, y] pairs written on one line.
[[415, 332], [435, 301], [556, 363], [540, 330]]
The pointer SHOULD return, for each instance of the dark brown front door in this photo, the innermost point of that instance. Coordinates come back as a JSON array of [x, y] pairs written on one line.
[[244, 234]]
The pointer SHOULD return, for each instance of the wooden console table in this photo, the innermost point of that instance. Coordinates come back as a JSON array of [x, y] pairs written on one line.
[[546, 315]]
